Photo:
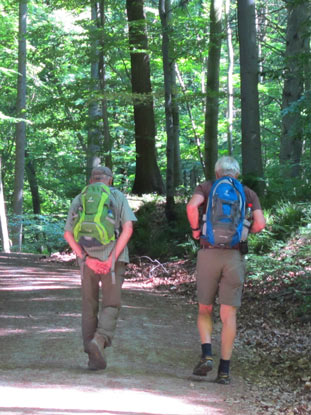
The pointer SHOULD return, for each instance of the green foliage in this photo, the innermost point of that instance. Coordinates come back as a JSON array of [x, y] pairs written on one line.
[[155, 237], [283, 220], [41, 234], [59, 93]]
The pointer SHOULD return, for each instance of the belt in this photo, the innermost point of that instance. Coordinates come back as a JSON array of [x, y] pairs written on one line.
[[207, 245]]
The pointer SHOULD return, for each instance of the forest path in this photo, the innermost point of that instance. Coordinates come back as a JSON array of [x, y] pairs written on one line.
[[43, 367]]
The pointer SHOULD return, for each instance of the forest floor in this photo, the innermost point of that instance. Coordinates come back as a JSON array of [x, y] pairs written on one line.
[[43, 369]]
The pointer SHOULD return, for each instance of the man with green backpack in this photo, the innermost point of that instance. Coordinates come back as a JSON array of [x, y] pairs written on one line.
[[98, 228]]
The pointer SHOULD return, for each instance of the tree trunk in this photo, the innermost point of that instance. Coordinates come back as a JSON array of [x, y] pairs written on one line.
[[20, 127], [147, 177], [261, 13], [94, 111], [193, 125], [171, 110], [33, 184], [3, 219], [251, 144], [229, 80], [175, 109], [107, 144], [292, 128], [212, 88]]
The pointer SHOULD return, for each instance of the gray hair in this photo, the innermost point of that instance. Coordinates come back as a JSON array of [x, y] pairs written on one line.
[[227, 166]]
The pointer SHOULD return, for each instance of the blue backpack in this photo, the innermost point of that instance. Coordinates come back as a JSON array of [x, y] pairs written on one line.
[[225, 211]]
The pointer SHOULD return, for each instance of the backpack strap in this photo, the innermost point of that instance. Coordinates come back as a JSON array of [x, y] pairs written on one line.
[[77, 227], [113, 274]]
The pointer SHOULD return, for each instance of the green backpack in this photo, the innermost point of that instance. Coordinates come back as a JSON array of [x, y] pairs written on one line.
[[96, 220]]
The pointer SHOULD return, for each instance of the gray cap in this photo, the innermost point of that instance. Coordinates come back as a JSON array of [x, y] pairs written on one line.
[[101, 171]]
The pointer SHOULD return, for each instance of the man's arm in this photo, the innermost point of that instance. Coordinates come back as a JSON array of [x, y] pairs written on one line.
[[259, 221], [193, 214], [125, 236], [77, 249]]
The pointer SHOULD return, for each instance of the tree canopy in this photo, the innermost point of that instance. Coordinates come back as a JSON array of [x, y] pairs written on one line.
[[72, 106]]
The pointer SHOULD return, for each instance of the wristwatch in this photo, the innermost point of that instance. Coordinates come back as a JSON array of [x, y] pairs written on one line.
[[196, 229]]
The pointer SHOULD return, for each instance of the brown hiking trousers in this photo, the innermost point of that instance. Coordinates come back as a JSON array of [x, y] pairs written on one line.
[[101, 303]]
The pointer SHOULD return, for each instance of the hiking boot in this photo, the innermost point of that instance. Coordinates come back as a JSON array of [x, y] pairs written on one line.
[[223, 378], [91, 364], [204, 366], [97, 359]]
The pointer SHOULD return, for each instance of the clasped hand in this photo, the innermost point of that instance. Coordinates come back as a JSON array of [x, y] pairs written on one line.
[[99, 267]]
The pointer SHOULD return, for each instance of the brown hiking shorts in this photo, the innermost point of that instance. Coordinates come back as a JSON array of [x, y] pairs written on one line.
[[220, 271]]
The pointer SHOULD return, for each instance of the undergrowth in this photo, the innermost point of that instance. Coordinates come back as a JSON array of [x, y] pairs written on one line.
[[270, 251]]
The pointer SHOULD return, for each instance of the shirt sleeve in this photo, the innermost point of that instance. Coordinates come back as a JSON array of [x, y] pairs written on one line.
[[125, 212], [251, 197], [73, 213], [203, 189]]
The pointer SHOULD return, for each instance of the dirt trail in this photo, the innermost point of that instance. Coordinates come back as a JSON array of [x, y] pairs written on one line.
[[43, 367]]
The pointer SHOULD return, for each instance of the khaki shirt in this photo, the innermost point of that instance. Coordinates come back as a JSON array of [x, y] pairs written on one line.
[[123, 214]]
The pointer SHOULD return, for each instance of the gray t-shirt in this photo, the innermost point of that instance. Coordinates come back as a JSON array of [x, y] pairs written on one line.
[[123, 214]]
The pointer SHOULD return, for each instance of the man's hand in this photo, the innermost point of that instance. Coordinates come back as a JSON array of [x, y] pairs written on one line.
[[99, 267], [196, 234]]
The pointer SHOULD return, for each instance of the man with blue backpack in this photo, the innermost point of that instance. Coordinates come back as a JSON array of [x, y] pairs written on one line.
[[98, 228], [222, 233]]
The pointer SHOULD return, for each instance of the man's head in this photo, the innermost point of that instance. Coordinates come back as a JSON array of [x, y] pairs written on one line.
[[102, 174], [227, 166]]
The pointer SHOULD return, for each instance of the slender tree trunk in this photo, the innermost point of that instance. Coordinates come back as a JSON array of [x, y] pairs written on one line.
[[171, 109], [3, 219], [102, 75], [212, 88], [307, 64], [251, 144], [193, 125], [147, 177], [175, 109], [33, 184], [93, 150], [229, 80], [261, 24], [292, 128], [20, 127]]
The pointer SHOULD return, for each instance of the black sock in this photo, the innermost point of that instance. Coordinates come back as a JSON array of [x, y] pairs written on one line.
[[224, 366], [206, 349]]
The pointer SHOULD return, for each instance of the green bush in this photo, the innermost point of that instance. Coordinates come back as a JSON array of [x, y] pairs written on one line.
[[154, 236], [283, 220], [41, 233]]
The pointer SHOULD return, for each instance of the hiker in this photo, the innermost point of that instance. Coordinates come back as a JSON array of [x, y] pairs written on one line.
[[102, 265], [220, 268]]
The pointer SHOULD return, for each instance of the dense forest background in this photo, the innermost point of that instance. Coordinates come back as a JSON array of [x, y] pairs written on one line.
[[157, 90]]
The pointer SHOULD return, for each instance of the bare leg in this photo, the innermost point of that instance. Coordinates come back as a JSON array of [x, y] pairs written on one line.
[[205, 327], [228, 333], [205, 322]]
